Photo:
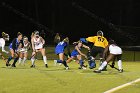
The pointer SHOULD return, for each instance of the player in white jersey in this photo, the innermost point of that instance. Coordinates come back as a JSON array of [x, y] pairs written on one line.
[[114, 52], [5, 37], [38, 46], [24, 50]]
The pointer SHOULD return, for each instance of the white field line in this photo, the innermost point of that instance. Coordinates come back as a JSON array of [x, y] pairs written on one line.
[[122, 86]]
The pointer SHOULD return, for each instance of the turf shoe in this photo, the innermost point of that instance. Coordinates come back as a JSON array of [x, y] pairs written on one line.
[[83, 67]]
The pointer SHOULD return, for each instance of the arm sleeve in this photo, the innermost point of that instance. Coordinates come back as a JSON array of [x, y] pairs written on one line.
[[91, 39]]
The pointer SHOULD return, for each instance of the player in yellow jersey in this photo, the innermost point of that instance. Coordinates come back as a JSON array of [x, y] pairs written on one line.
[[99, 42]]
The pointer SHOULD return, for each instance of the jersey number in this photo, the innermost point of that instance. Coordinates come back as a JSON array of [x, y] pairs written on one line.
[[100, 39]]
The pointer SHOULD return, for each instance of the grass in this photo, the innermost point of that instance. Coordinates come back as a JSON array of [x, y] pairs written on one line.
[[56, 79]]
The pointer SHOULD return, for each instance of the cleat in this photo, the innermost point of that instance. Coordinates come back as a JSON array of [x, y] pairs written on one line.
[[80, 68], [55, 62], [32, 66], [67, 68], [84, 67], [13, 65], [120, 70], [91, 67], [97, 71], [7, 64], [46, 65], [104, 70]]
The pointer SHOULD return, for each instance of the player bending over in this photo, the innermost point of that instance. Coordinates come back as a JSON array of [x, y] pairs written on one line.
[[15, 45], [99, 42], [38, 46], [24, 50], [76, 53], [59, 50], [114, 52]]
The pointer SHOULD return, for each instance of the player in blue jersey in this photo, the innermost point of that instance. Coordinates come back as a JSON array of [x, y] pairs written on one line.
[[14, 46], [59, 50], [76, 53]]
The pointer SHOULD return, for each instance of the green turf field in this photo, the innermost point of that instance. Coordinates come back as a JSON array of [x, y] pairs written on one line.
[[55, 79]]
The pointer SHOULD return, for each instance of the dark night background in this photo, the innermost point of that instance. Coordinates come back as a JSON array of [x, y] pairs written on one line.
[[64, 17]]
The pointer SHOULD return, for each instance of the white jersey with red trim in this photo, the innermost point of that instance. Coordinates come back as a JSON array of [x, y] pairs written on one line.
[[38, 43], [115, 49]]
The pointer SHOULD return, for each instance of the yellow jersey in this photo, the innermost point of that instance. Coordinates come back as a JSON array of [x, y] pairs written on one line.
[[98, 41]]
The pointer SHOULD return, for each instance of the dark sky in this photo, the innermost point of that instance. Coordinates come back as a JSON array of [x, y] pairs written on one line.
[[63, 17]]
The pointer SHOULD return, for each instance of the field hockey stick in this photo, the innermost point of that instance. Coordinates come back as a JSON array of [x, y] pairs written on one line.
[[114, 67], [3, 57], [33, 55]]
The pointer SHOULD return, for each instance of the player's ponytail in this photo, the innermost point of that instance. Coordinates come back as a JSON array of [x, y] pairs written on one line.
[[3, 34], [19, 34], [25, 38], [66, 40]]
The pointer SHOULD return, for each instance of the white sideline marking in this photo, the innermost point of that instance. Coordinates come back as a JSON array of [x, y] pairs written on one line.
[[122, 86]]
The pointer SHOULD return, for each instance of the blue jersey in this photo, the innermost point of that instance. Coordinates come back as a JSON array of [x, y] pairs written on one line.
[[60, 47], [14, 44], [74, 53]]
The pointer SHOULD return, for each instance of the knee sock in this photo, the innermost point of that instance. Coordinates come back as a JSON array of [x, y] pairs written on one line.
[[120, 64], [45, 59], [15, 60], [20, 59], [59, 61], [33, 61], [81, 63], [24, 59], [65, 64], [9, 59], [103, 65]]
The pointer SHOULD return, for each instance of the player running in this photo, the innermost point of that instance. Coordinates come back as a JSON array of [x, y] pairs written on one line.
[[14, 47], [38, 46], [76, 53], [100, 42], [114, 52], [24, 50], [59, 50]]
